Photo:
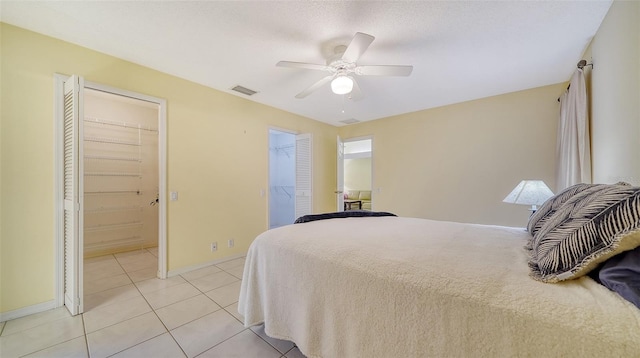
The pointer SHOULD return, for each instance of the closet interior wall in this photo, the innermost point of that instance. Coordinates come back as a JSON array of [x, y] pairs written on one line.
[[281, 178], [120, 174]]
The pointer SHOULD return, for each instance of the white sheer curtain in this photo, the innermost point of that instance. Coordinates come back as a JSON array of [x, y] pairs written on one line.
[[573, 154]]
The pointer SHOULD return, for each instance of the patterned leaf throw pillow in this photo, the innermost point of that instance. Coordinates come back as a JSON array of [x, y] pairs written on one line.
[[550, 206], [593, 225]]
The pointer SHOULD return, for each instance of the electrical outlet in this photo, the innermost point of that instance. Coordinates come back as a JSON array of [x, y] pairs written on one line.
[[231, 242], [214, 246]]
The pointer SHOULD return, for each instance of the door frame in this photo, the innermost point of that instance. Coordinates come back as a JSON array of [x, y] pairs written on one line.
[[374, 190], [59, 179]]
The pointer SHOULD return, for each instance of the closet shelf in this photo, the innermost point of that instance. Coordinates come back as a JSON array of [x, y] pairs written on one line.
[[128, 225], [105, 174], [95, 120], [284, 149], [104, 157], [111, 141], [112, 209], [280, 189]]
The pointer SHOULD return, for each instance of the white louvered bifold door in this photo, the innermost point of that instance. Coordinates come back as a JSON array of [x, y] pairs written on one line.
[[73, 193], [304, 193]]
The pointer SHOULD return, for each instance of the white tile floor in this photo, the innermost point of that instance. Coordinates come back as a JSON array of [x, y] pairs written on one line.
[[130, 313]]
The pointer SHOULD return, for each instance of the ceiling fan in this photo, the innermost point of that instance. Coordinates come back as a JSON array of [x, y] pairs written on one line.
[[342, 66]]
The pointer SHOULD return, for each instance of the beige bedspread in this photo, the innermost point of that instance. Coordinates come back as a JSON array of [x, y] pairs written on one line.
[[404, 287]]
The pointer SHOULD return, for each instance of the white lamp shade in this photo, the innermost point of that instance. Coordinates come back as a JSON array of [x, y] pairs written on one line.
[[342, 85], [529, 192]]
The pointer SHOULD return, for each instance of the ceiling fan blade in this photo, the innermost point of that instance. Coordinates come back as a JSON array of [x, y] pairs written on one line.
[[308, 66], [357, 47], [356, 93], [314, 87], [384, 70]]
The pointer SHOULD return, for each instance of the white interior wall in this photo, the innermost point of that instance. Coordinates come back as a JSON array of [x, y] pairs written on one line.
[[615, 107]]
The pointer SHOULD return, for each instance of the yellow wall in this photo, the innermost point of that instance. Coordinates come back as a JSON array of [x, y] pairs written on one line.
[[217, 159], [458, 162], [615, 87], [357, 174]]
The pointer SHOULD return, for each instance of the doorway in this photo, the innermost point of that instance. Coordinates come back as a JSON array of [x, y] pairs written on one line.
[[120, 174], [290, 176], [282, 178], [121, 193], [357, 174], [110, 180]]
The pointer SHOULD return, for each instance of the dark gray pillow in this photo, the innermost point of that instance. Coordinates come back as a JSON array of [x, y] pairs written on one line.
[[590, 227], [621, 274]]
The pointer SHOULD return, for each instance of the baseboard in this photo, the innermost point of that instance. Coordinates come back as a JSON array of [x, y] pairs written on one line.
[[29, 310], [182, 270]]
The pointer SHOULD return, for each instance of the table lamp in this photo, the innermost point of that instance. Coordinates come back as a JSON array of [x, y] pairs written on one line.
[[529, 192]]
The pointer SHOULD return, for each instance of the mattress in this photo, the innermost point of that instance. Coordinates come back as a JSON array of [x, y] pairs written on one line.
[[407, 287]]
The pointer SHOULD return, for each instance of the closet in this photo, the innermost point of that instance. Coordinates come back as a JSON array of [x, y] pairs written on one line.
[[121, 173], [282, 178]]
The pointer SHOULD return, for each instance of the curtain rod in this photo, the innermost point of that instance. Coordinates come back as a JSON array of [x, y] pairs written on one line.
[[581, 64]]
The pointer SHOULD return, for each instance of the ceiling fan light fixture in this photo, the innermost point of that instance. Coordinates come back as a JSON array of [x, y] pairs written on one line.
[[342, 85]]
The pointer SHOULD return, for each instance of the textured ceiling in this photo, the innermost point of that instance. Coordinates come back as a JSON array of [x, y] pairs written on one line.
[[460, 50]]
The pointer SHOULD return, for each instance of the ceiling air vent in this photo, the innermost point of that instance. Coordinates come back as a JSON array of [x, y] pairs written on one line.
[[244, 90], [349, 121]]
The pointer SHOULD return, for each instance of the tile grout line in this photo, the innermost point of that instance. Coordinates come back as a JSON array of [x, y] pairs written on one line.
[[123, 270], [245, 328], [162, 322], [209, 298], [127, 272], [219, 343], [152, 310], [62, 342], [156, 314], [86, 339], [130, 318], [221, 308], [259, 336]]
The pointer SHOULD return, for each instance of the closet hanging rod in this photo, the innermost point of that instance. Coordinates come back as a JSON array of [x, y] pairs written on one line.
[[119, 124], [110, 227], [581, 64], [106, 157]]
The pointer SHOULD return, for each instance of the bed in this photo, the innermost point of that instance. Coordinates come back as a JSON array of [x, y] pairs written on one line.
[[409, 287]]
